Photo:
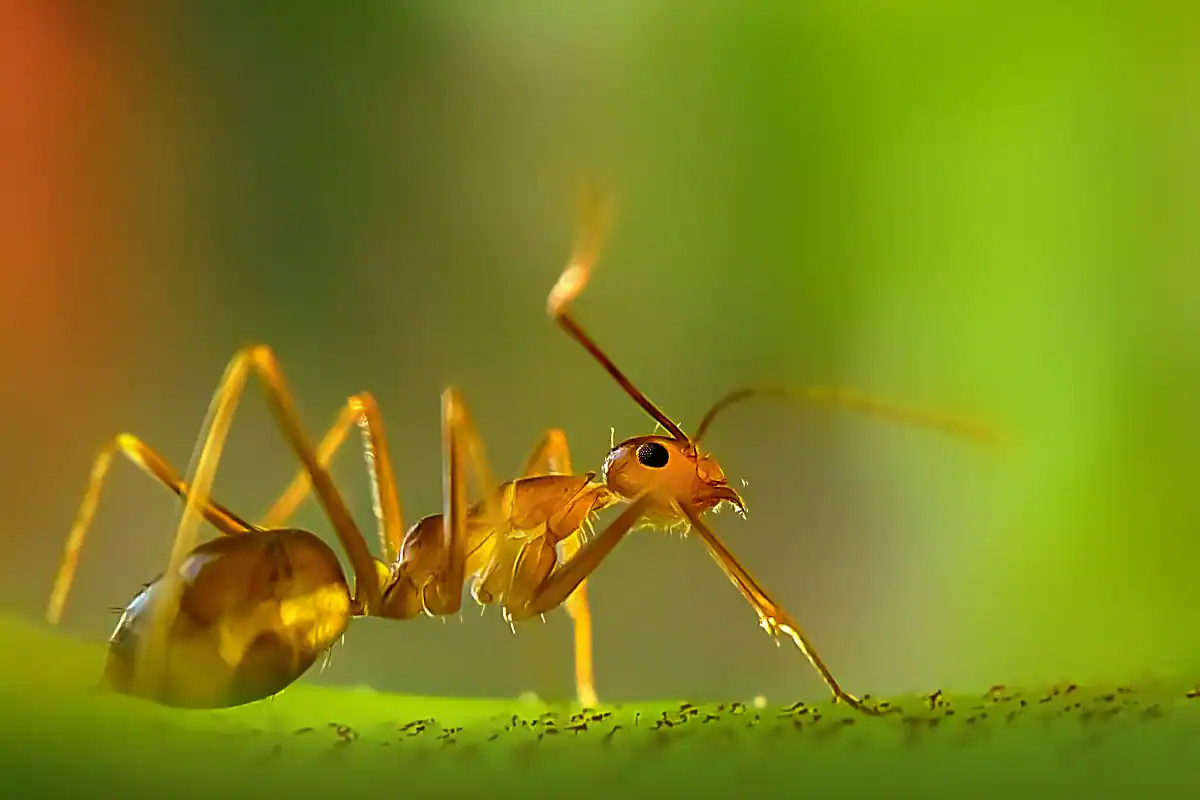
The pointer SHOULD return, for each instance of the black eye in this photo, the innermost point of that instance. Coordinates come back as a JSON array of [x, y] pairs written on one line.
[[653, 454]]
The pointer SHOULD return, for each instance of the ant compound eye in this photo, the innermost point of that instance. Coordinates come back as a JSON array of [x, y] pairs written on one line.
[[653, 454]]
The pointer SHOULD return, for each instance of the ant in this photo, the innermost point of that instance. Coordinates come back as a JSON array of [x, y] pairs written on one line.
[[239, 618]]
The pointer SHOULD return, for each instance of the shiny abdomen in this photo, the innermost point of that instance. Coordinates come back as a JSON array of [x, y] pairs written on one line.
[[256, 610]]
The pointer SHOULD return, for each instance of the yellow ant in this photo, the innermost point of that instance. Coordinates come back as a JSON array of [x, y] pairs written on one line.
[[241, 617]]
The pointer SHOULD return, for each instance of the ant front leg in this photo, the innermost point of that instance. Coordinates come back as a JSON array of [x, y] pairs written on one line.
[[773, 618], [149, 462], [547, 586], [540, 583], [552, 456]]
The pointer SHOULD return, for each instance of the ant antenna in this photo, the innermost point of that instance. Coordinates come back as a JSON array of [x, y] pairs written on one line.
[[855, 401], [593, 223]]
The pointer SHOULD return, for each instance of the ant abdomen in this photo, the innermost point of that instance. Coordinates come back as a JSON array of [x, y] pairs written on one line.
[[256, 610]]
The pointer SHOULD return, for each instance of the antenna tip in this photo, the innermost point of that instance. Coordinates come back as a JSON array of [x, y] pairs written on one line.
[[569, 286]]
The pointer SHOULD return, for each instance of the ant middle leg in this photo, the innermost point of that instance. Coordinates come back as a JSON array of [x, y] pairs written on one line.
[[462, 450], [361, 410], [552, 456], [440, 540]]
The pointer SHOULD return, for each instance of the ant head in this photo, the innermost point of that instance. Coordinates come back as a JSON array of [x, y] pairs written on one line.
[[673, 471]]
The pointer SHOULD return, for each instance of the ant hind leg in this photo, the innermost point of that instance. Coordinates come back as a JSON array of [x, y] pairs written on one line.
[[151, 463]]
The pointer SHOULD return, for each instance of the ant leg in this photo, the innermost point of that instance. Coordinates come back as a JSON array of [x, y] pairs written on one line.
[[362, 410], [460, 441], [553, 583], [553, 588], [149, 462], [773, 618], [552, 456], [261, 361]]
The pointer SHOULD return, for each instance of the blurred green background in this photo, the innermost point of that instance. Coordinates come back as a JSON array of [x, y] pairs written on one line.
[[981, 207]]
